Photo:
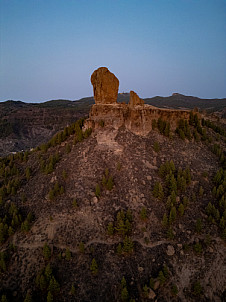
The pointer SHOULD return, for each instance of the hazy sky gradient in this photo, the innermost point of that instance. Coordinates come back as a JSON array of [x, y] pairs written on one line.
[[49, 48]]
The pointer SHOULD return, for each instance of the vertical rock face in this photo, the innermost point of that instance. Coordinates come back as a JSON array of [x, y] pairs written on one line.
[[105, 86], [137, 117], [134, 99]]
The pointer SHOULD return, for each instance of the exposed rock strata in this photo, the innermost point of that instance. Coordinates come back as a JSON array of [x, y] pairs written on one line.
[[137, 120], [136, 116]]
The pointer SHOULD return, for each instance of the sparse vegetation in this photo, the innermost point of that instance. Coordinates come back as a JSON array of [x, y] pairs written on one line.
[[56, 191], [129, 208], [94, 267]]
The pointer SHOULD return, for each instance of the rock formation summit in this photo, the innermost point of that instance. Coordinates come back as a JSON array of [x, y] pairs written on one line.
[[136, 116], [105, 86]]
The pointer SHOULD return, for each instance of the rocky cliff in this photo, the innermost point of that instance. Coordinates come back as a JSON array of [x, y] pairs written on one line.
[[135, 116]]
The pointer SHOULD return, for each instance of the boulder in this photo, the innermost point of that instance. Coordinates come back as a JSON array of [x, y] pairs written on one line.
[[105, 86], [134, 99], [170, 250], [151, 294]]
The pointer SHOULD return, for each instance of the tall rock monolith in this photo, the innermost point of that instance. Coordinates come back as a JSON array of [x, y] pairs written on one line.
[[105, 86]]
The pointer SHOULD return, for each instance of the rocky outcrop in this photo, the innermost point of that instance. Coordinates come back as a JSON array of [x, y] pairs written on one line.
[[136, 116], [137, 120], [134, 100], [105, 86]]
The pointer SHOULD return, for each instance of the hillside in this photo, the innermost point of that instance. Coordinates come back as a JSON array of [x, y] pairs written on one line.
[[26, 125], [126, 205], [98, 198]]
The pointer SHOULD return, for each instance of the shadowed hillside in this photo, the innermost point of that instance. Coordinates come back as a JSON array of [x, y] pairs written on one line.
[[115, 216]]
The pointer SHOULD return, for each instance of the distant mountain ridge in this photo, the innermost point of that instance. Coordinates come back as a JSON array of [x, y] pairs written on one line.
[[176, 101]]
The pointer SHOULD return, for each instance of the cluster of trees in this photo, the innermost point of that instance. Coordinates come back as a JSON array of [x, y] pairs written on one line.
[[48, 165], [217, 213], [56, 191], [106, 183], [122, 225], [73, 129], [107, 180], [162, 276], [8, 169], [175, 183], [175, 179], [12, 175], [214, 127], [201, 132], [183, 129], [3, 259], [124, 291], [162, 126], [9, 187], [47, 284], [11, 219], [126, 246], [220, 153]]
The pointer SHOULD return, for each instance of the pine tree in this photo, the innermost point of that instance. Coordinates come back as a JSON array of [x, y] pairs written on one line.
[[74, 203], [156, 147], [28, 298], [4, 299], [68, 254], [152, 283], [173, 197], [97, 192], [181, 209], [127, 245], [94, 267], [48, 272], [198, 225], [123, 282], [28, 173], [124, 294], [165, 220], [156, 190], [172, 184], [49, 297], [81, 247], [72, 290], [173, 214], [145, 290], [110, 228], [46, 252], [165, 271], [201, 191], [143, 214], [161, 193], [43, 283], [161, 278], [61, 190], [174, 290], [209, 208], [110, 183], [51, 194], [170, 234], [119, 249], [54, 286]]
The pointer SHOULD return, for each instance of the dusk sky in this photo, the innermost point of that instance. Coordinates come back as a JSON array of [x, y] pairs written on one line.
[[49, 48]]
